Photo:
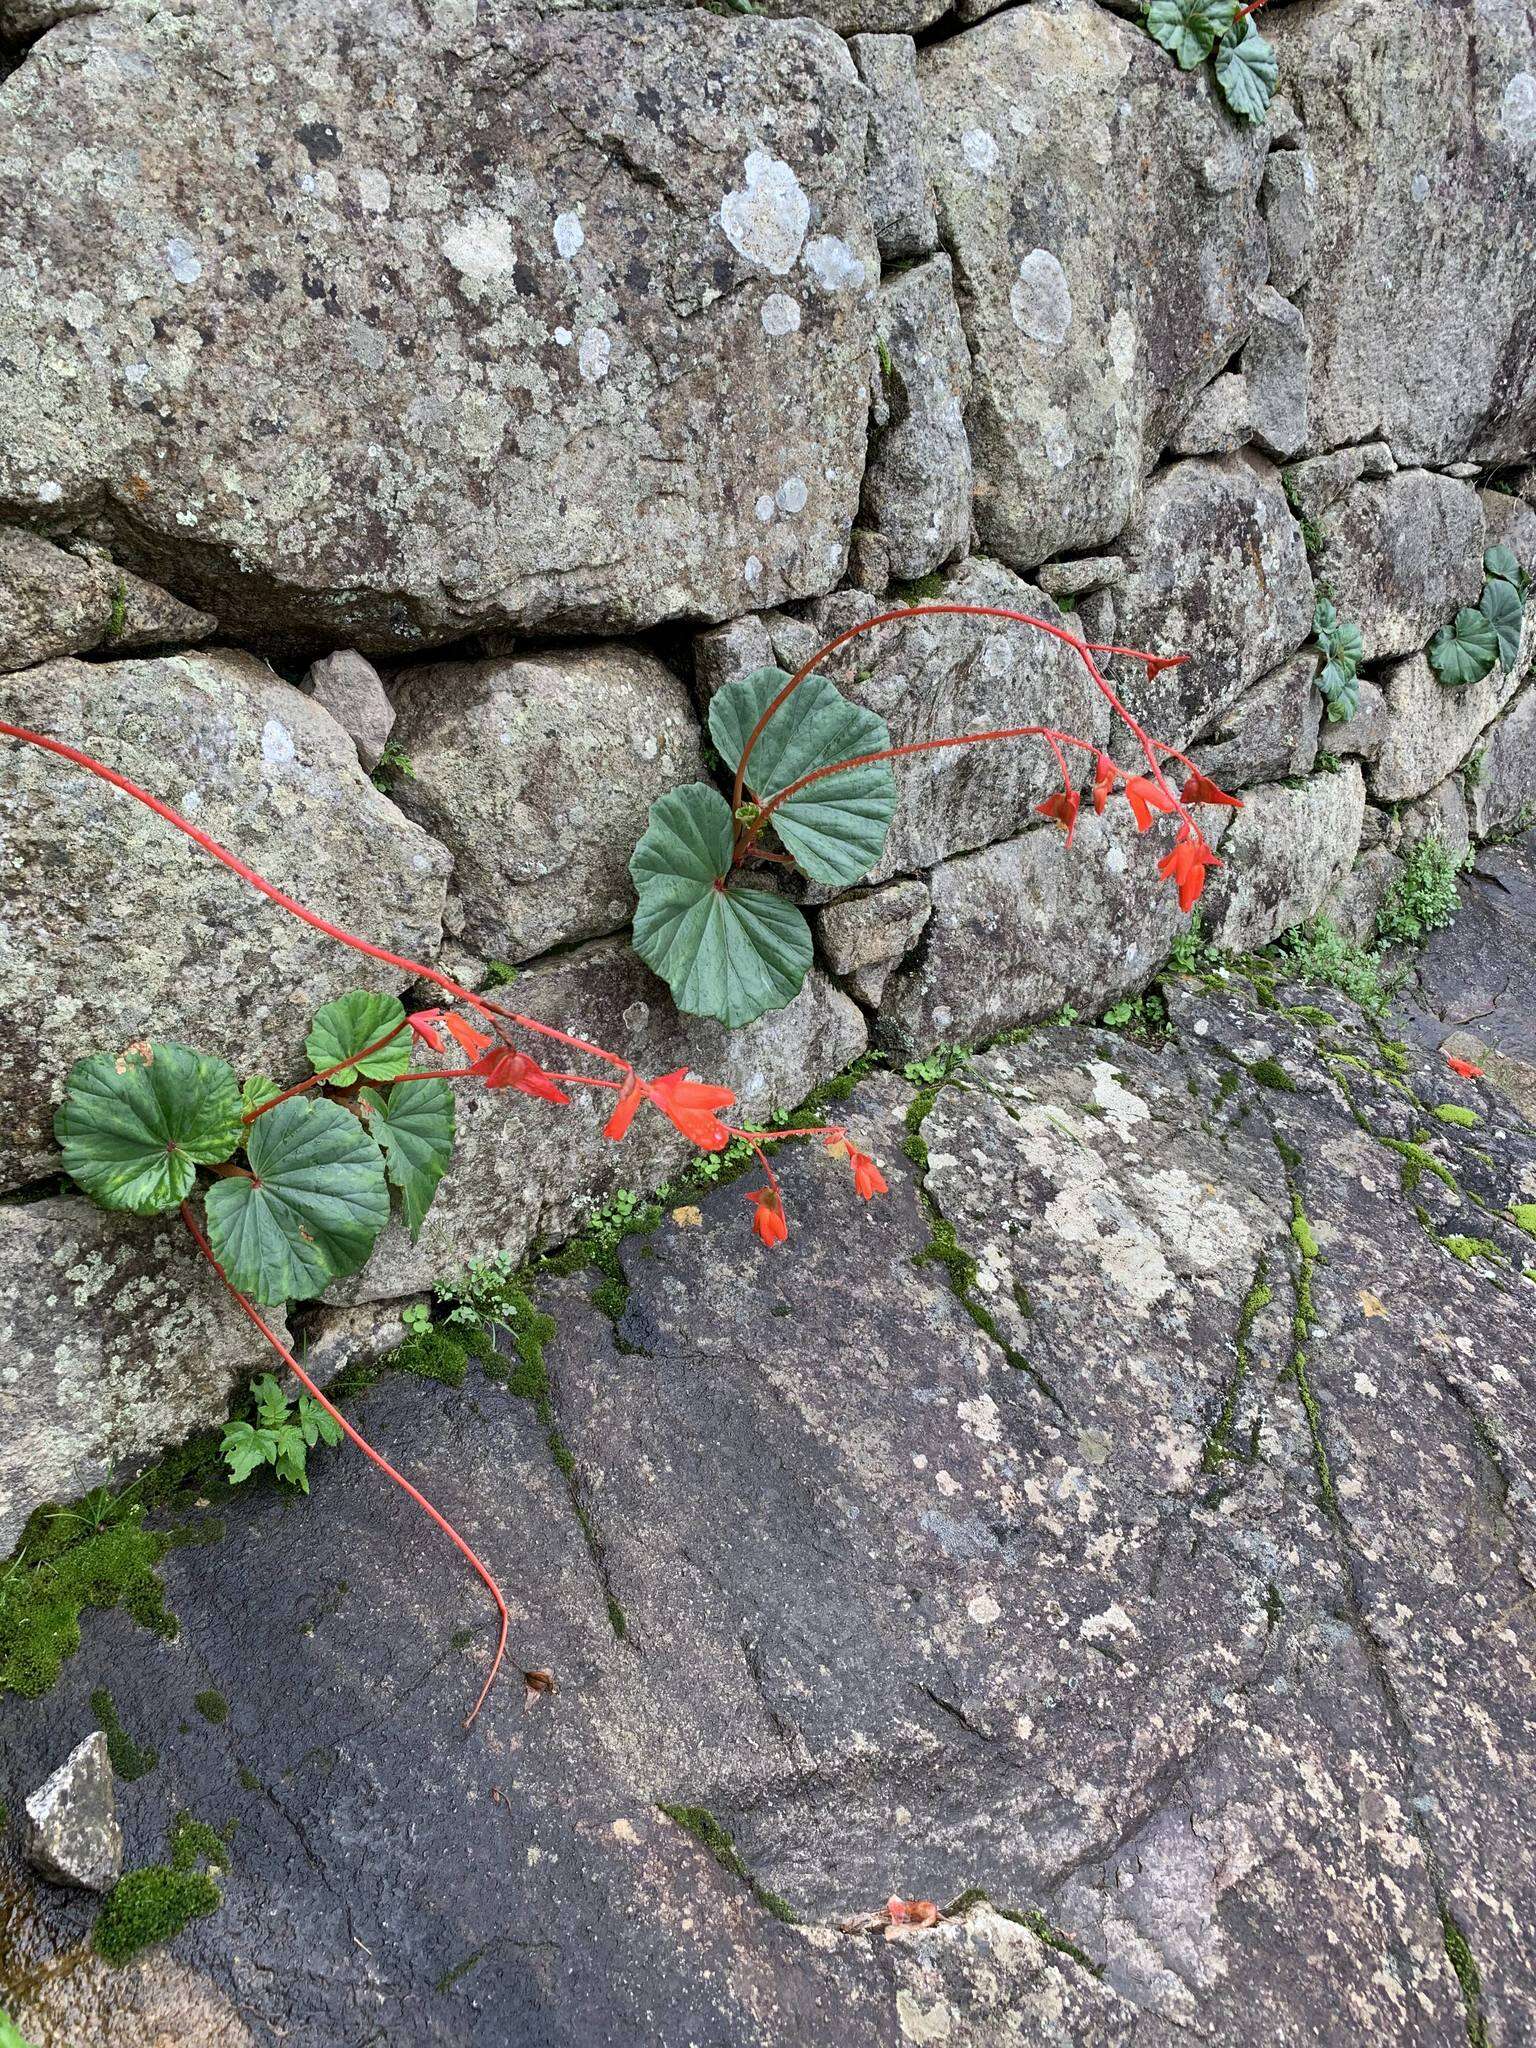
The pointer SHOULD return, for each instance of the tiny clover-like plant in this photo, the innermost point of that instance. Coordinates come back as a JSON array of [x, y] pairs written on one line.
[[1488, 633], [279, 1436], [813, 793], [1246, 67], [1342, 648]]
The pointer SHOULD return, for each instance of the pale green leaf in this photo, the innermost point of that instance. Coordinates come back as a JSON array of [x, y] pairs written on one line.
[[351, 1023]]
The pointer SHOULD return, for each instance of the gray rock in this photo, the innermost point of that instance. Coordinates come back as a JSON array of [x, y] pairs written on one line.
[[917, 486], [1420, 306], [1402, 556], [1511, 523], [1431, 729], [526, 1171], [557, 328], [900, 197], [1271, 732], [1474, 982], [1287, 850], [1355, 903], [113, 928], [856, 18], [347, 686], [869, 562], [1105, 259], [727, 653], [116, 1341], [1441, 815], [1502, 793], [536, 774], [1275, 373], [993, 955], [54, 601], [938, 676], [864, 936], [1315, 485], [1365, 734], [334, 1339], [1076, 578], [1216, 569], [1219, 422], [1287, 198], [72, 1835]]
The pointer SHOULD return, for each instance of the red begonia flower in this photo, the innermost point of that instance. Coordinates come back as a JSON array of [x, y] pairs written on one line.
[[424, 1025], [912, 1912], [691, 1105], [868, 1180], [503, 1067], [1063, 808], [768, 1215], [1199, 789], [1463, 1067], [1145, 797], [474, 1042], [1105, 776], [1186, 865]]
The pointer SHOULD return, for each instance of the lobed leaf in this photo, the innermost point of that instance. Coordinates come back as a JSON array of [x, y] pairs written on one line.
[[1341, 691], [1189, 28], [1465, 651], [1500, 605], [1348, 648], [414, 1126], [1504, 565], [1247, 70], [135, 1126], [347, 1025]]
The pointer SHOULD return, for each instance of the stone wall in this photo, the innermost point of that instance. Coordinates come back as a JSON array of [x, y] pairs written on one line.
[[500, 381]]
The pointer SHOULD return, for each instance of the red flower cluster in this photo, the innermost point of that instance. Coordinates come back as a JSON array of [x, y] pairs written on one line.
[[1150, 796], [768, 1218], [1463, 1067], [691, 1105]]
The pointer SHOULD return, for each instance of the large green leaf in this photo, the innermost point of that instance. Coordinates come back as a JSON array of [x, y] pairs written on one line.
[[835, 829], [135, 1126], [1500, 605], [1501, 563], [1341, 690], [1190, 28], [724, 951], [316, 1203], [1348, 648], [414, 1124], [347, 1025], [1246, 70], [1464, 652]]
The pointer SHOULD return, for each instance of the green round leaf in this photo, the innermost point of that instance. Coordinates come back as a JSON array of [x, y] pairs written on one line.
[[316, 1203], [135, 1126], [724, 951], [1500, 605], [1246, 70], [1503, 564], [836, 829], [1341, 689], [1464, 652], [414, 1125], [347, 1025], [1348, 648], [1189, 28], [1324, 619]]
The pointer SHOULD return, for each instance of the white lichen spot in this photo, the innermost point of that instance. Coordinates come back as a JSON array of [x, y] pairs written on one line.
[[764, 508], [1122, 345], [569, 234], [1122, 1110], [791, 494], [480, 247], [49, 492], [182, 258], [979, 148], [981, 1418], [1419, 187], [983, 1609], [923, 2023], [277, 748], [373, 191], [593, 356], [563, 337], [83, 310], [1060, 448], [833, 264], [781, 314], [947, 1484], [1518, 108], [752, 571], [1114, 1621], [623, 1831], [766, 220], [1040, 299]]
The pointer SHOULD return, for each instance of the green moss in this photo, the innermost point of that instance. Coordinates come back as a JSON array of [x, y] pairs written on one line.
[[1468, 1977], [1417, 1161], [213, 1707], [1218, 1444], [248, 1779], [699, 1822], [128, 1759], [1319, 951], [925, 590], [1453, 1113], [1301, 1230], [193, 1842], [55, 1579], [10, 2034], [1469, 1248], [1231, 1080], [914, 1144], [1270, 1074], [1423, 898], [1524, 1214], [148, 1906]]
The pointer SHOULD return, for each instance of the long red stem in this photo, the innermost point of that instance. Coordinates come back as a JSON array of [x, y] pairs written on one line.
[[302, 1087], [293, 1365]]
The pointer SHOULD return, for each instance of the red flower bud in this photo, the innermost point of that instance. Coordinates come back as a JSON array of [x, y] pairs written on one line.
[[1063, 808]]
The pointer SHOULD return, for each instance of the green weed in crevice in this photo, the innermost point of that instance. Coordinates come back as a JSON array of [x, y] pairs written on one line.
[[699, 1822], [1049, 1936], [1219, 1447], [1468, 1978]]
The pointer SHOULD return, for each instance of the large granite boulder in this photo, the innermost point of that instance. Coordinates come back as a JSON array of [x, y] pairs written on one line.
[[536, 774], [113, 927], [1402, 556], [407, 324], [1502, 788], [116, 1341], [1429, 729], [1101, 209], [1272, 731], [1421, 123]]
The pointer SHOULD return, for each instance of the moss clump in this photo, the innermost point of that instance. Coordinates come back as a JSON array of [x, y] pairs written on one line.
[[1301, 1230], [925, 590], [213, 1707], [1469, 1248], [699, 1822], [193, 1842], [128, 1759], [1453, 1113], [1468, 1976], [1423, 899], [150, 1905], [54, 1580], [1524, 1214], [1218, 1445], [1270, 1074], [1417, 1161]]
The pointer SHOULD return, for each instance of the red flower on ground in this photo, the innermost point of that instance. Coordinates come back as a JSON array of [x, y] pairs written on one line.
[[1463, 1067], [1145, 797], [1199, 789], [691, 1105], [502, 1067], [424, 1025], [1105, 776], [768, 1215], [1185, 866], [474, 1042], [1063, 808], [911, 1912]]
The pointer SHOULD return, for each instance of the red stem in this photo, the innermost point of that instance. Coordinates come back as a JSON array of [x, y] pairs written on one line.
[[325, 1074], [364, 1446]]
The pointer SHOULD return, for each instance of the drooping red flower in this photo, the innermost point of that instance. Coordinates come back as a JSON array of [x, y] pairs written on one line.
[[1156, 663], [768, 1215], [1199, 789], [911, 1912], [474, 1042], [1145, 796], [1185, 866], [1063, 807], [1105, 776], [691, 1105], [868, 1180], [504, 1067], [424, 1025], [1463, 1067]]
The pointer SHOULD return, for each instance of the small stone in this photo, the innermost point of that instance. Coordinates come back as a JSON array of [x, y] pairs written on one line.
[[727, 653], [71, 1835], [1285, 199], [869, 562], [917, 486], [1275, 369], [1272, 731], [348, 686], [1219, 422], [57, 601], [864, 937], [1401, 556], [900, 197], [1081, 576]]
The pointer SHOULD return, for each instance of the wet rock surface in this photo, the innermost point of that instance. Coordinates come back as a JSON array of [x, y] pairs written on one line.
[[1127, 1517]]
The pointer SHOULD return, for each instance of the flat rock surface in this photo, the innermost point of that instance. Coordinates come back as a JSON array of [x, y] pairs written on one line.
[[1128, 1517]]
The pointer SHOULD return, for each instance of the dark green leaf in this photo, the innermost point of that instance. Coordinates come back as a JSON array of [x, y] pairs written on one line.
[[725, 951], [1501, 607], [135, 1126], [290, 1456], [836, 828], [1324, 618], [1464, 652], [347, 1025], [1341, 689], [1190, 28], [313, 1210], [1503, 564], [1246, 70], [414, 1125], [271, 1402], [1348, 648]]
